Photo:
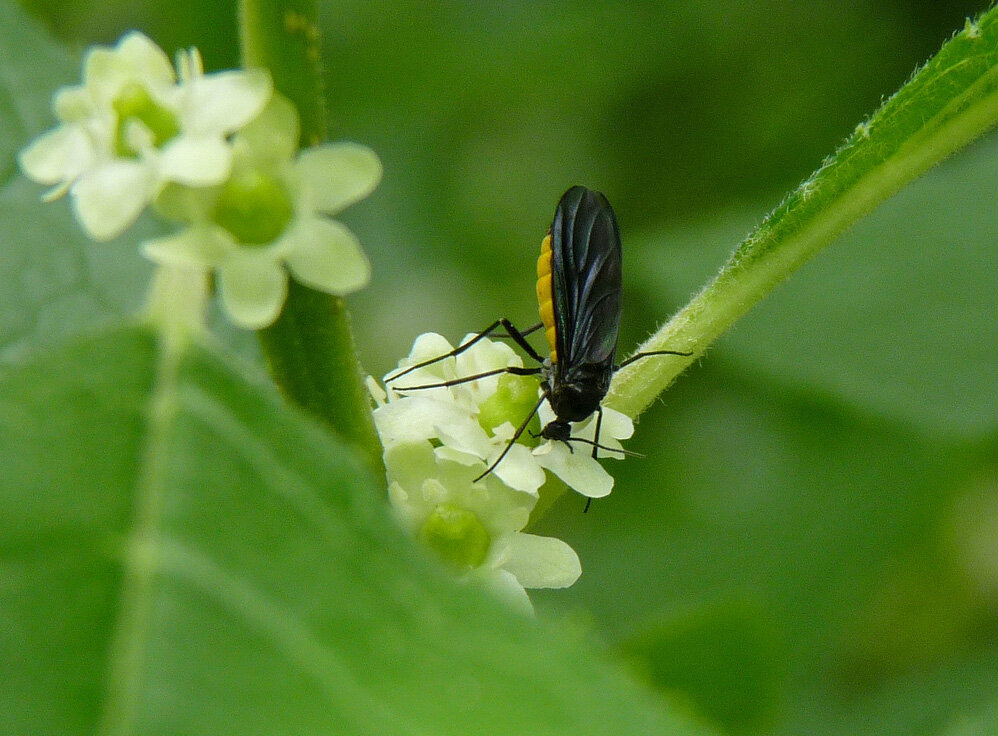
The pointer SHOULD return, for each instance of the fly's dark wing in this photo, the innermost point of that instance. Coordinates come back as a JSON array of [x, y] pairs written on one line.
[[586, 278]]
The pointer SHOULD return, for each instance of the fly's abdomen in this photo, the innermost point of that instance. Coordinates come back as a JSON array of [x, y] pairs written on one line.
[[544, 301]]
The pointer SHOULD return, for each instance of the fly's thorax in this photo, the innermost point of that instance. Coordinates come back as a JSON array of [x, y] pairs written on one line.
[[575, 392], [545, 302]]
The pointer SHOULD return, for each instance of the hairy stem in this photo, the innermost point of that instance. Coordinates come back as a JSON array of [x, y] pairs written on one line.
[[310, 348], [948, 103]]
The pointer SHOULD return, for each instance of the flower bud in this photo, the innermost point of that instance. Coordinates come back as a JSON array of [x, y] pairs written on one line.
[[134, 103], [514, 398], [254, 207], [457, 536]]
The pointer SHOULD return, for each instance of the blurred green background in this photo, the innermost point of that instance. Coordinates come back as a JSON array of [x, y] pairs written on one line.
[[811, 544]]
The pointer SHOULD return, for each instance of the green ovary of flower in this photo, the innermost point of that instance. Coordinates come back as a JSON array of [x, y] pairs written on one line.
[[457, 536], [254, 207], [134, 103], [515, 396]]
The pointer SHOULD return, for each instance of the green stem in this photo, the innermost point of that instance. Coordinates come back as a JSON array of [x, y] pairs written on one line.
[[310, 348], [949, 102]]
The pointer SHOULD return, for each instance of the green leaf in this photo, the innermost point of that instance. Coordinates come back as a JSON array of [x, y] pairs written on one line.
[[183, 553], [54, 282]]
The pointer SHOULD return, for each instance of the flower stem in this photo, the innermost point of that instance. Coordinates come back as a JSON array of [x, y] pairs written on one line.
[[310, 348], [949, 102]]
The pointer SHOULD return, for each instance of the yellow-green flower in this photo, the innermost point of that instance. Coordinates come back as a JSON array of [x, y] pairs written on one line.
[[133, 126], [271, 218]]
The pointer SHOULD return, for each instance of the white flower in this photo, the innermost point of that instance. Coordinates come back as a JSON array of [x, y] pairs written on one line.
[[130, 128], [270, 218], [439, 440], [453, 418], [476, 527]]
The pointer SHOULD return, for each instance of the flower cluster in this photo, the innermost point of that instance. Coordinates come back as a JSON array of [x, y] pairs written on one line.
[[216, 153], [438, 441]]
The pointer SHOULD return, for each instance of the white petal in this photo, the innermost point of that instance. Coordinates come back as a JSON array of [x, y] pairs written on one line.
[[145, 57], [538, 562], [520, 470], [507, 588], [434, 492], [464, 435], [457, 456], [219, 104], [176, 301], [397, 495], [409, 514], [336, 175], [138, 136], [135, 59], [486, 356], [378, 393], [409, 464], [109, 198], [72, 104], [415, 418], [618, 424], [196, 161], [57, 191], [102, 74], [202, 246], [587, 430], [253, 288], [545, 413], [578, 470], [441, 369], [60, 155], [427, 346], [325, 255]]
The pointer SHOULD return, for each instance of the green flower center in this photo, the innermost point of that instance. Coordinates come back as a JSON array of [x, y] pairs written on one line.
[[515, 396], [253, 206], [457, 536], [134, 103]]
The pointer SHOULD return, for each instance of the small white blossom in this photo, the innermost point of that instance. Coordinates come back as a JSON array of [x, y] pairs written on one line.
[[451, 417], [131, 127], [271, 218], [439, 440], [476, 527]]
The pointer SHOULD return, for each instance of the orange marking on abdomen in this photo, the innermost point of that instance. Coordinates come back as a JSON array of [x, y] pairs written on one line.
[[544, 300]]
